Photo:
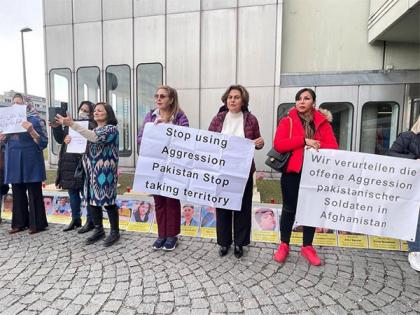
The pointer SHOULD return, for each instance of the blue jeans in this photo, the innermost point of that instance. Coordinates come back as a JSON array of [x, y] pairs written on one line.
[[415, 246], [75, 202]]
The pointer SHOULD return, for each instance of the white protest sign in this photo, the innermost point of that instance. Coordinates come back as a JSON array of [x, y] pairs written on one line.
[[78, 142], [11, 119], [360, 192], [193, 165]]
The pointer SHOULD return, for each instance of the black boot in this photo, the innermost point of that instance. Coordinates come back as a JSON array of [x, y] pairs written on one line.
[[75, 223], [113, 217], [86, 228], [98, 234], [112, 238]]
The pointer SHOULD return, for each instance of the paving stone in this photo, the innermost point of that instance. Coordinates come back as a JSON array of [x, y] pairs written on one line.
[[57, 274]]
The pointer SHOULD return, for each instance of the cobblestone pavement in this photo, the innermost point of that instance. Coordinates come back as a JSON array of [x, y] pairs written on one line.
[[55, 273]]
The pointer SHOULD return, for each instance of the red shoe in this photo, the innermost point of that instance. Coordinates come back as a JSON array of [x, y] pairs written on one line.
[[282, 253], [310, 254]]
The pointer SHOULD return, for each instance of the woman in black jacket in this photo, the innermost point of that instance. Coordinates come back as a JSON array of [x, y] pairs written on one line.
[[67, 165], [407, 146]]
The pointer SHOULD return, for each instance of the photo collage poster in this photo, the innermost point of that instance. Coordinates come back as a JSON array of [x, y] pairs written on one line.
[[138, 215]]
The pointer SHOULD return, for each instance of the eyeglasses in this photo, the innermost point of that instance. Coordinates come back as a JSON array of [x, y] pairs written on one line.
[[160, 96]]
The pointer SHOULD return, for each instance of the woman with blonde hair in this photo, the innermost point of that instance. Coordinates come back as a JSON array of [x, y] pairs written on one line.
[[168, 210], [407, 146]]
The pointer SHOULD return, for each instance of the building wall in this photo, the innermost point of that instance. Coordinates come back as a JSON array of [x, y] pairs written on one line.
[[332, 36]]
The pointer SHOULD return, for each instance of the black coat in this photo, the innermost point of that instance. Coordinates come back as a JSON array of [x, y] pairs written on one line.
[[67, 162], [407, 146]]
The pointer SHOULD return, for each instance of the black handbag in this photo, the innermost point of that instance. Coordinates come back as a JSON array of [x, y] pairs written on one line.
[[276, 160], [79, 173]]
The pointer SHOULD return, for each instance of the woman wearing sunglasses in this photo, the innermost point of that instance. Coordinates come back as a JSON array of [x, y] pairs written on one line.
[[168, 210]]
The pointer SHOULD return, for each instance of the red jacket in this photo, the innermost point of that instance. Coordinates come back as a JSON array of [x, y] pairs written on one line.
[[283, 142]]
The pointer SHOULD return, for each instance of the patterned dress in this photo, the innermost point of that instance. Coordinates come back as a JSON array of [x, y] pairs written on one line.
[[101, 164]]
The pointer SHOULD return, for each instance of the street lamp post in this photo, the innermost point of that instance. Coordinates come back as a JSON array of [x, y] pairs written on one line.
[[24, 30]]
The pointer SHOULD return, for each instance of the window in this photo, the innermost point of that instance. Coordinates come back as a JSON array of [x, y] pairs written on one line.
[[379, 126], [118, 95], [149, 77], [88, 85], [60, 91], [415, 111], [342, 122], [283, 109]]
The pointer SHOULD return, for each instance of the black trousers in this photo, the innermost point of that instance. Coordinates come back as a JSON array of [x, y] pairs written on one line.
[[290, 188], [97, 216], [35, 218], [241, 221]]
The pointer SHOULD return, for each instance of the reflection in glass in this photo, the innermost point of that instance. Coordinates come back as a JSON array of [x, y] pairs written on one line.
[[149, 77], [342, 122], [283, 109], [88, 85], [379, 126], [60, 89], [118, 94]]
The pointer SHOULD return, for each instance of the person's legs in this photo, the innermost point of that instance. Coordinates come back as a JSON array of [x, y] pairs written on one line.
[[242, 220], [37, 216], [160, 204], [289, 190], [224, 227], [99, 232], [88, 226], [20, 213], [160, 212], [414, 250], [173, 221], [75, 201], [113, 216], [173, 217]]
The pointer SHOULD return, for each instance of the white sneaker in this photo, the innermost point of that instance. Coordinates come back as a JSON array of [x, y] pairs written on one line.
[[414, 260]]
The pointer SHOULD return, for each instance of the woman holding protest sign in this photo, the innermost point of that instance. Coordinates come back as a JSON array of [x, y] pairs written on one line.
[[25, 170], [407, 146], [168, 210], [67, 165], [304, 127], [235, 119], [100, 163]]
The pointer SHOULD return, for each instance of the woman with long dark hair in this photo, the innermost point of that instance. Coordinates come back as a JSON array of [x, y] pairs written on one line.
[[304, 127], [100, 163], [67, 165]]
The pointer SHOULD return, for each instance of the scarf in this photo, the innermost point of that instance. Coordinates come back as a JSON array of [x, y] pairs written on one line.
[[308, 124]]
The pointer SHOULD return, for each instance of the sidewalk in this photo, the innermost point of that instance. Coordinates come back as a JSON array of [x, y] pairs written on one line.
[[55, 273]]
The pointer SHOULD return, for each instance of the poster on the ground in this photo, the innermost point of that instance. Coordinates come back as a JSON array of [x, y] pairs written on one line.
[[360, 193], [194, 166], [208, 222], [265, 224], [142, 216]]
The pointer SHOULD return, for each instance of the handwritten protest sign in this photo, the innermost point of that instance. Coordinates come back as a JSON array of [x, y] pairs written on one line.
[[360, 192], [11, 119], [197, 166], [78, 142]]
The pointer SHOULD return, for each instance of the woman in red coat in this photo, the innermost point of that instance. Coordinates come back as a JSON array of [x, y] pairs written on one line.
[[304, 127]]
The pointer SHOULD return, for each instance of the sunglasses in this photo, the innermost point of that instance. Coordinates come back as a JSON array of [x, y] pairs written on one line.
[[160, 96]]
